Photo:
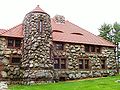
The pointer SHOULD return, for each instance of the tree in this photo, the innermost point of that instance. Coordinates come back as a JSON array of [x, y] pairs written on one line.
[[105, 31], [112, 33]]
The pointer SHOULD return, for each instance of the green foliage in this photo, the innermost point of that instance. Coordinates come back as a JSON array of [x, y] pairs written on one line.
[[116, 32], [105, 31], [111, 33], [107, 83]]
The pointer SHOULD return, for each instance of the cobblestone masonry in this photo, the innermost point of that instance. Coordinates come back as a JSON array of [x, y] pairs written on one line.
[[36, 60], [37, 55]]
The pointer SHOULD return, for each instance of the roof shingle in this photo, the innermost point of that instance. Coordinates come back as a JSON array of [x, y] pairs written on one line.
[[67, 32]]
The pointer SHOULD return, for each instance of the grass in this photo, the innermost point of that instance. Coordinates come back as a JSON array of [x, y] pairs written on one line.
[[107, 83]]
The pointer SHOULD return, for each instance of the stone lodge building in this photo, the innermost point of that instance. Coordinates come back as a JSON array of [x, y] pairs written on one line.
[[44, 49]]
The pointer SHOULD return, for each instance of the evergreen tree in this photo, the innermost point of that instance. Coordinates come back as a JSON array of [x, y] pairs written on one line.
[[105, 31], [112, 33]]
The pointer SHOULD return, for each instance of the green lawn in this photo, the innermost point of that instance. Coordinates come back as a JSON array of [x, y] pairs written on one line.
[[107, 83]]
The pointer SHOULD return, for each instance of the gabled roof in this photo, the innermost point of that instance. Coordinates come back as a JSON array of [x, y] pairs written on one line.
[[67, 32], [16, 31]]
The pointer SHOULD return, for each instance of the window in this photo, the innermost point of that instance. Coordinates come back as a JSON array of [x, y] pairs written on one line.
[[59, 63], [56, 63], [103, 64], [14, 42], [83, 63], [59, 46], [63, 63], [40, 26], [87, 48], [86, 64], [92, 48], [10, 42], [15, 60], [17, 43], [98, 49]]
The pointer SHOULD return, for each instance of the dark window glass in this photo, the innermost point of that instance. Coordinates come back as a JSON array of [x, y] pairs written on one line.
[[92, 48], [98, 49], [87, 48], [16, 60], [56, 63], [59, 46], [81, 64], [17, 43], [10, 42], [86, 64], [103, 64], [63, 63]]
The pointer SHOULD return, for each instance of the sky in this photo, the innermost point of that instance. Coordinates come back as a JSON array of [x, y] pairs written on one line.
[[88, 14]]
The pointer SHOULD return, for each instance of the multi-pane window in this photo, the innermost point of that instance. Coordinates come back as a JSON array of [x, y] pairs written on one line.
[[103, 64], [83, 63], [15, 60], [92, 48], [14, 42], [59, 63], [59, 46]]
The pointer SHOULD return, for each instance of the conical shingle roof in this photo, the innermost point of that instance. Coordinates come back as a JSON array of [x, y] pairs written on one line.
[[38, 9]]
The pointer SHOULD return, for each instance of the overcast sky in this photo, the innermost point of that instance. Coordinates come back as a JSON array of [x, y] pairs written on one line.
[[88, 14]]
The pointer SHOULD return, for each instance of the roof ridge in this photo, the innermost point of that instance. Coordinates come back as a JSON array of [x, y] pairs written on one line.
[[11, 28]]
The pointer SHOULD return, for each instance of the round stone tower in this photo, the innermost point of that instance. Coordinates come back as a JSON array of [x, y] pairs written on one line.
[[36, 63]]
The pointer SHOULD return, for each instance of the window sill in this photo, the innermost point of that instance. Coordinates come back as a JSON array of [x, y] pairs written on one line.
[[13, 47]]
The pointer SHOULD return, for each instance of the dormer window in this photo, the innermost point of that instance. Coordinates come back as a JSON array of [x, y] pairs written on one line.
[[40, 26]]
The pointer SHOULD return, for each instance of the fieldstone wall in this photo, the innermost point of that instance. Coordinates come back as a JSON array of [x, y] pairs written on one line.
[[74, 52], [9, 71], [36, 62]]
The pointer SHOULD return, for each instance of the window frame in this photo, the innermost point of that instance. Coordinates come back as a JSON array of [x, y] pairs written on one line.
[[84, 67], [14, 42], [40, 26], [8, 42], [58, 43], [15, 56], [105, 66], [95, 47], [59, 63]]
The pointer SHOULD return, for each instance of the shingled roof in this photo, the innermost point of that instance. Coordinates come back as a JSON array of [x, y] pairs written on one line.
[[62, 31], [38, 9], [67, 32], [16, 31]]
